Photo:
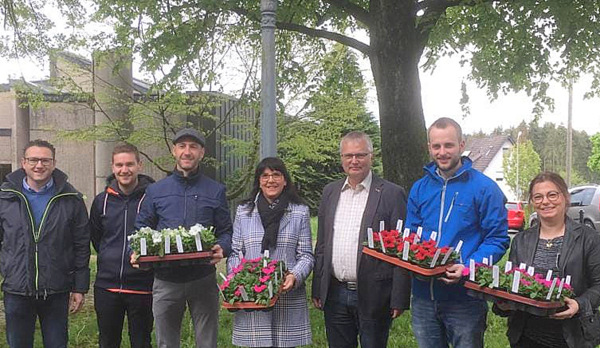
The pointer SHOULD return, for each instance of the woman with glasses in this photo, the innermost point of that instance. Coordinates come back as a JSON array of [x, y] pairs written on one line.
[[566, 247], [274, 218]]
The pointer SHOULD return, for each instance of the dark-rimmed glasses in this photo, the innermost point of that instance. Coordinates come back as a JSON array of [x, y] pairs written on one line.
[[33, 161], [539, 198], [275, 176]]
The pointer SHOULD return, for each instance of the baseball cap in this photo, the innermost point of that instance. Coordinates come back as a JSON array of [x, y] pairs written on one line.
[[189, 133]]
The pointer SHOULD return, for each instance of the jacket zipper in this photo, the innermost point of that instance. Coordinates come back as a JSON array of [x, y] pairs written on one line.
[[36, 234], [124, 245]]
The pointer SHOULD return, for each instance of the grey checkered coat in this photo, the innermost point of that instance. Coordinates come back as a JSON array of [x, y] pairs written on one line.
[[287, 325]]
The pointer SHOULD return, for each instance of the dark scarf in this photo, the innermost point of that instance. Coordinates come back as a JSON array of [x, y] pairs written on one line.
[[270, 216]]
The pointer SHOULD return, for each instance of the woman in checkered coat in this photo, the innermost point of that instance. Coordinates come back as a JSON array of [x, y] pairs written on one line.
[[275, 218]]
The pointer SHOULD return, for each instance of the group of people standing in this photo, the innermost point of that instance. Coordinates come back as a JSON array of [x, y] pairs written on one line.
[[45, 234]]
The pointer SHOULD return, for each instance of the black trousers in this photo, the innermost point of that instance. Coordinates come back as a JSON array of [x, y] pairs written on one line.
[[110, 311]]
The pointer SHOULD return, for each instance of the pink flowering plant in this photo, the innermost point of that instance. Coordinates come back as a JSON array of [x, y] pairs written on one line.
[[421, 253], [155, 240], [535, 287], [254, 277]]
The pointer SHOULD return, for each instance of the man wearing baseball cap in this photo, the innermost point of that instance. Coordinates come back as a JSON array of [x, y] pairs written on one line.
[[185, 198]]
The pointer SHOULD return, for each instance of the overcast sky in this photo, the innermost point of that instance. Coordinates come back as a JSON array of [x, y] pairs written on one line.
[[440, 95]]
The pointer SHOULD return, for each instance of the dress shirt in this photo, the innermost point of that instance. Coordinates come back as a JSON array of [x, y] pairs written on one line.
[[346, 228]]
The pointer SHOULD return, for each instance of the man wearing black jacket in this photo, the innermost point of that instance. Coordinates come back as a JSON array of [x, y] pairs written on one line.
[[44, 249], [119, 287]]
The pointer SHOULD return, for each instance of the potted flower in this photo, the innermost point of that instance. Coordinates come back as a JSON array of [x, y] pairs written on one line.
[[423, 257], [253, 284], [532, 293], [172, 243]]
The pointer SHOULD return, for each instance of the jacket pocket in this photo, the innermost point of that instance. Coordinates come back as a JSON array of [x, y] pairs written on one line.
[[590, 327]]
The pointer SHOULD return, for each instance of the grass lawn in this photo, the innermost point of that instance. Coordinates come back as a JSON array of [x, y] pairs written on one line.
[[83, 332]]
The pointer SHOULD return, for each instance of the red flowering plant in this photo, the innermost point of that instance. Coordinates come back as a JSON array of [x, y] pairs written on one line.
[[535, 287], [421, 253], [251, 279]]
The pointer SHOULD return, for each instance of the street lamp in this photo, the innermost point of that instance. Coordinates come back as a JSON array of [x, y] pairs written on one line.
[[518, 196]]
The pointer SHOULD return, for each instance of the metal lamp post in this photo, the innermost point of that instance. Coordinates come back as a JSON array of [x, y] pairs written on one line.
[[518, 191], [268, 120]]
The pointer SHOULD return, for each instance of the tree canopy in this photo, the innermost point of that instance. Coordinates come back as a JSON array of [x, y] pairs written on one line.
[[511, 45]]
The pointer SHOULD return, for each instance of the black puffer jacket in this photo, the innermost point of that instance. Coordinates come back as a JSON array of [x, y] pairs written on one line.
[[112, 218], [53, 259], [580, 258]]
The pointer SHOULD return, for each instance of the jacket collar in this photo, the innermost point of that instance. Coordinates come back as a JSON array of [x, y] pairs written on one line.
[[193, 177], [14, 181], [112, 186], [572, 233], [431, 168]]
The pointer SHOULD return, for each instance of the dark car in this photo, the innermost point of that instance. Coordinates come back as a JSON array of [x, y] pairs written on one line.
[[584, 199], [516, 215]]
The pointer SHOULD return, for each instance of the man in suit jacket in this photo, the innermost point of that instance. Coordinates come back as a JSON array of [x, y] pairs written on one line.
[[359, 294]]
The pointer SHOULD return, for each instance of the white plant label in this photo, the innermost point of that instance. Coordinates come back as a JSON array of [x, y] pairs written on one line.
[[198, 242], [436, 256], [179, 243], [516, 281], [495, 276], [406, 233], [433, 236], [381, 226], [270, 289], [530, 270], [244, 294], [458, 246], [370, 241], [491, 258], [420, 231], [447, 256], [568, 280], [382, 243], [560, 288], [167, 245], [549, 275], [399, 225], [486, 261], [143, 247], [507, 266], [522, 265], [405, 251], [472, 270], [223, 276], [551, 290]]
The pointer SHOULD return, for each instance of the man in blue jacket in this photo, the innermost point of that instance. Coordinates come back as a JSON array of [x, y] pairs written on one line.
[[120, 288], [460, 204], [44, 249], [185, 198]]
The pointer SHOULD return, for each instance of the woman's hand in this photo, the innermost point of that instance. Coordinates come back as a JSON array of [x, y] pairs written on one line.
[[288, 282], [572, 309]]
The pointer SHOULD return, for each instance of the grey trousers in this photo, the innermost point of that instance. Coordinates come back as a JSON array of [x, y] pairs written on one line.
[[168, 305]]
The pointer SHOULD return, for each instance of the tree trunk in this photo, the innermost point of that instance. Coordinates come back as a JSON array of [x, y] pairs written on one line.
[[395, 54]]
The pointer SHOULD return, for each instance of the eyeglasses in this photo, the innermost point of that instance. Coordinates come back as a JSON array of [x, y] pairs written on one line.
[[359, 156], [32, 161], [552, 197], [274, 176]]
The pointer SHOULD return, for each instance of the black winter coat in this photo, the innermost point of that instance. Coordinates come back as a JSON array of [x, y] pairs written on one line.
[[53, 259], [112, 219], [580, 258]]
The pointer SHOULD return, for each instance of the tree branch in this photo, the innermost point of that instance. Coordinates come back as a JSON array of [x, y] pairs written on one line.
[[324, 34], [354, 10], [319, 33]]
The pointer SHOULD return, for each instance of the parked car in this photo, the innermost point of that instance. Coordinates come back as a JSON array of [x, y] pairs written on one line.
[[516, 215], [583, 198]]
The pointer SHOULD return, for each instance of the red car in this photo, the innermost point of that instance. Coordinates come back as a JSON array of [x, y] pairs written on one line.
[[516, 215]]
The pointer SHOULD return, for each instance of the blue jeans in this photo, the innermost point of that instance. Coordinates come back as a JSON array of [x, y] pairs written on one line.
[[343, 324], [21, 313], [438, 324]]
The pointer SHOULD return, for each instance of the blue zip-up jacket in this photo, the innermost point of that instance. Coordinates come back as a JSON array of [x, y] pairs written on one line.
[[468, 206], [112, 218], [185, 201]]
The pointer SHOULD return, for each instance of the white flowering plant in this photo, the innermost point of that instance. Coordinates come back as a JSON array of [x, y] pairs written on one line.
[[155, 240]]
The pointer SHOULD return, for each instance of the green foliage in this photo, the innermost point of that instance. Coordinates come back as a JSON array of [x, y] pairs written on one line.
[[594, 160], [522, 45], [528, 167], [309, 144]]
